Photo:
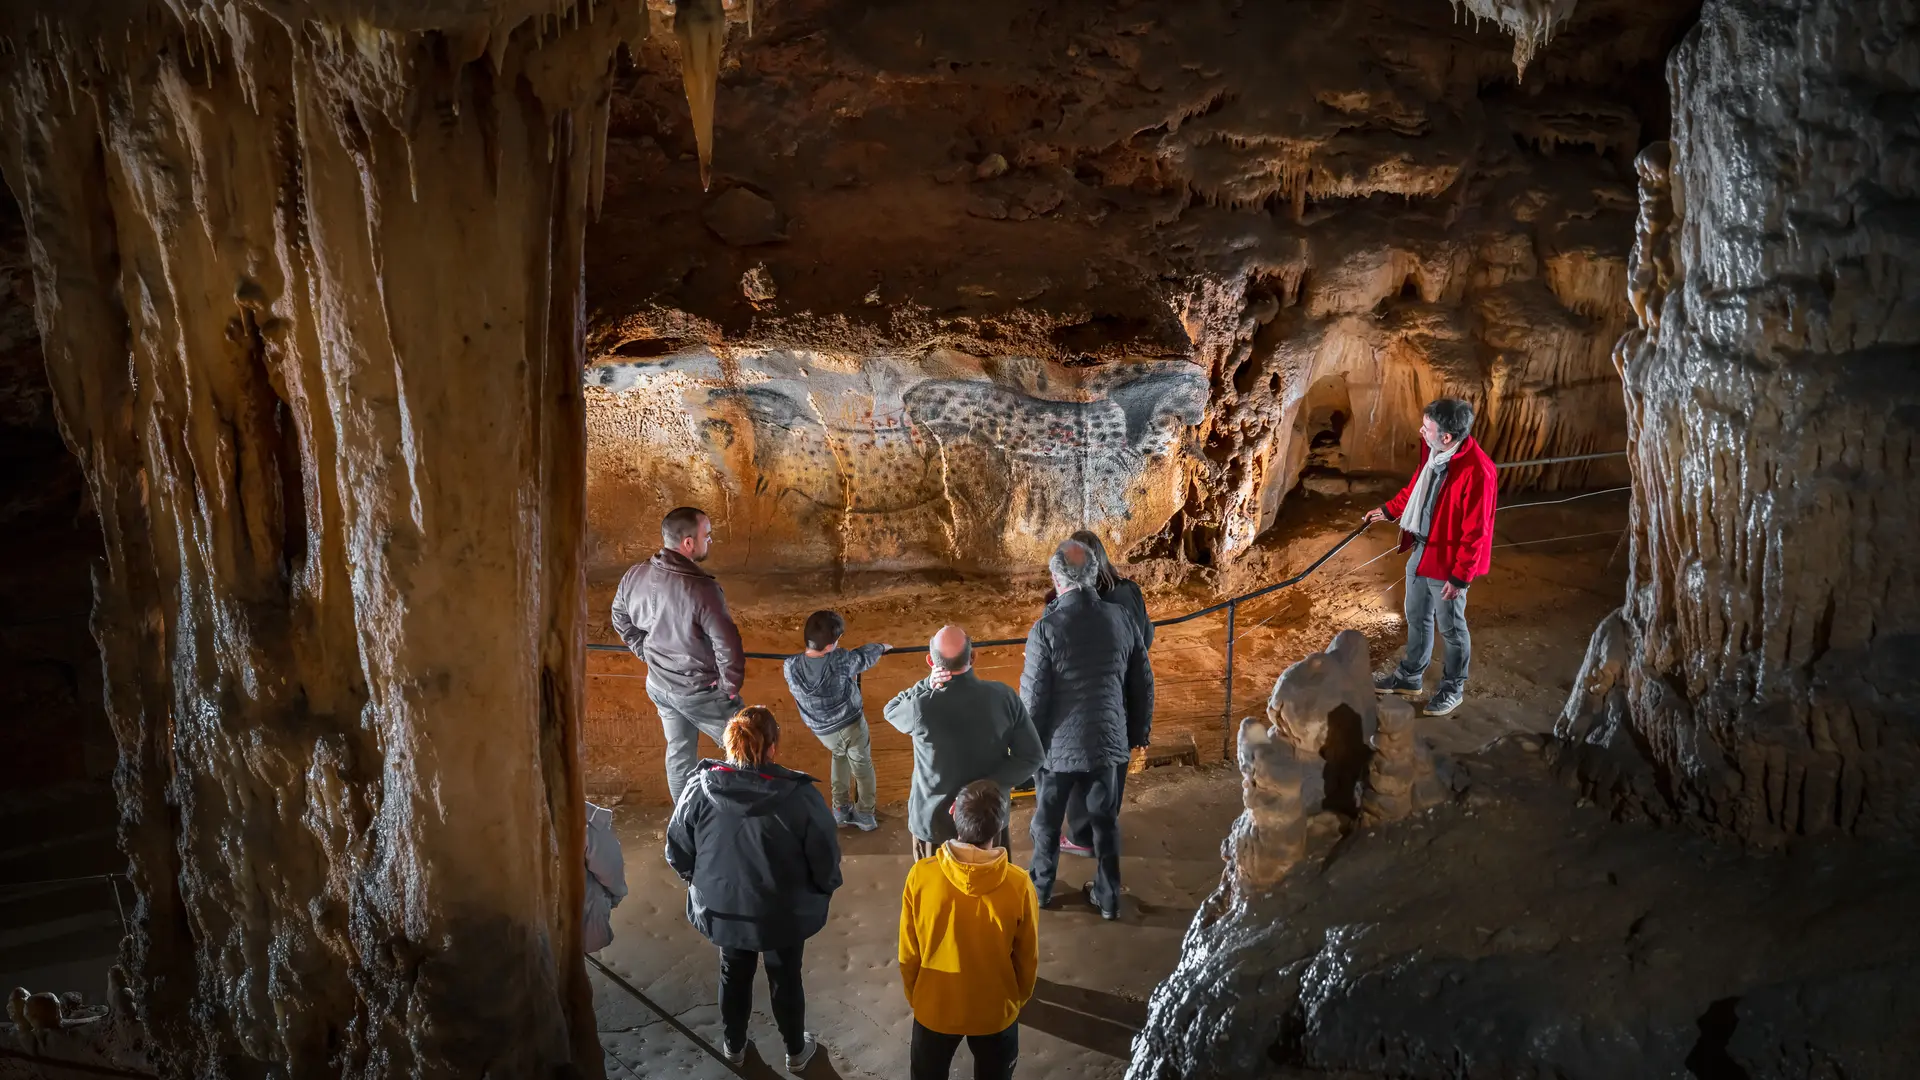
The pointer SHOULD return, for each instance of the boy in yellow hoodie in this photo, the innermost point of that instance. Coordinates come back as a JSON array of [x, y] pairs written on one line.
[[969, 943]]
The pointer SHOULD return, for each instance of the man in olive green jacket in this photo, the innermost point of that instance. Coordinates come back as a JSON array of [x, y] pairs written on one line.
[[964, 728]]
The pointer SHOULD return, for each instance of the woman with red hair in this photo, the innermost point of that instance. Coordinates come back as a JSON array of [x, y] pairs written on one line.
[[755, 843]]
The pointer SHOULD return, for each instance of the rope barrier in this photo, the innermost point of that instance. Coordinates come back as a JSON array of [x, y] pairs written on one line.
[[1233, 601], [24, 886], [1559, 460]]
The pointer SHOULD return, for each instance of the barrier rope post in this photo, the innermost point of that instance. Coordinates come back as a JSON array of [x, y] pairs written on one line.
[[1226, 745]]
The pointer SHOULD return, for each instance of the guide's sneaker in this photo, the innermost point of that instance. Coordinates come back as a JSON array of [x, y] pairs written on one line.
[[796, 1062], [735, 1055], [842, 816], [1068, 847], [1444, 700], [862, 820], [1390, 681]]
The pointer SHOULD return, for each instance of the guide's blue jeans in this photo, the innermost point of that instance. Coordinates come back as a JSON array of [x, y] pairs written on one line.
[[1424, 607]]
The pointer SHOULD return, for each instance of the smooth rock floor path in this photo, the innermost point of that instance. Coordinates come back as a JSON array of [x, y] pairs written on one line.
[[1095, 976]]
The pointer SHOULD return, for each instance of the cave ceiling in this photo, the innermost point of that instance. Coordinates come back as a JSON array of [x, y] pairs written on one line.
[[1305, 209]]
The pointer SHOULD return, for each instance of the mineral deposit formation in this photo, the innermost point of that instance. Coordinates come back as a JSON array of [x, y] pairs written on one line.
[[308, 283]]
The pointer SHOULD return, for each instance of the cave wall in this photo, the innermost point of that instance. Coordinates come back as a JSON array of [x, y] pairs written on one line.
[[882, 461], [1764, 674], [309, 285], [1326, 213], [52, 718]]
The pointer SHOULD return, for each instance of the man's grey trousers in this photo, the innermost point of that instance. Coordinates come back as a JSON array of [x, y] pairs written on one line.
[[683, 717], [1423, 607]]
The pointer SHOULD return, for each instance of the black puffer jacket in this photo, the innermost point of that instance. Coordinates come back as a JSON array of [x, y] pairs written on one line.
[[1087, 685], [759, 855]]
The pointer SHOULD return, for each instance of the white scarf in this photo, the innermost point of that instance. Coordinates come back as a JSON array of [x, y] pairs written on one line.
[[1417, 516]]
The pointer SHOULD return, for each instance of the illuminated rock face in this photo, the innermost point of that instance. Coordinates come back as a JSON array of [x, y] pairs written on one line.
[[1326, 218], [310, 296], [1764, 674], [937, 460]]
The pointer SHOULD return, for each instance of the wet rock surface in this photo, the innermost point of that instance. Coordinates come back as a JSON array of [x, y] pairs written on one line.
[[1517, 933], [1764, 674]]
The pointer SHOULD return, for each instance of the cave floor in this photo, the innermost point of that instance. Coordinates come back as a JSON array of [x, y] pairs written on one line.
[[1531, 620], [1095, 976]]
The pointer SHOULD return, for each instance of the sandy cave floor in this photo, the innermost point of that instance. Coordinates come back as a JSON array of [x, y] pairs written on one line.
[[1531, 619]]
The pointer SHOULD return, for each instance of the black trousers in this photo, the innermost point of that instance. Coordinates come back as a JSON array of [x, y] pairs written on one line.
[[1101, 789], [993, 1055], [783, 986], [1079, 830]]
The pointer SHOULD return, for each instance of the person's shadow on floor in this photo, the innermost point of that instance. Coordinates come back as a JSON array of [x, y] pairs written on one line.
[[1102, 1022], [759, 1068]]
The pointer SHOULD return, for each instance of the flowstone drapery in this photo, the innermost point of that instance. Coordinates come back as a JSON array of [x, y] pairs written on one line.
[[1764, 674], [309, 283]]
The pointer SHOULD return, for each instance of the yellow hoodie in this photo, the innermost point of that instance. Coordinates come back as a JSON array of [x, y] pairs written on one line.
[[969, 940]]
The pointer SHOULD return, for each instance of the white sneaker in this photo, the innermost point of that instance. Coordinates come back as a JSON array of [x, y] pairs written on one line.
[[734, 1056], [1445, 700], [796, 1062]]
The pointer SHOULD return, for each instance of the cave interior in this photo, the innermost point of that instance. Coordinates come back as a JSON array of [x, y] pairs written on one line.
[[351, 351]]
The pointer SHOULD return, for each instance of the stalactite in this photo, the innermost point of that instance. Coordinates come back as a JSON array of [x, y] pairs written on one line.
[[1531, 22], [701, 27]]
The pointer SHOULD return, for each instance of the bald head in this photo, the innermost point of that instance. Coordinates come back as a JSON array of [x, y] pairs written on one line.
[[951, 650]]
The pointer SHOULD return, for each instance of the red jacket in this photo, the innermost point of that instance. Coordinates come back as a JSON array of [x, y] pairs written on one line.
[[1460, 546]]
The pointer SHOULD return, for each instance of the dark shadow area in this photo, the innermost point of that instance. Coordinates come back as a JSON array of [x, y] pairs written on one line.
[[1346, 754], [1101, 1022], [1709, 1059]]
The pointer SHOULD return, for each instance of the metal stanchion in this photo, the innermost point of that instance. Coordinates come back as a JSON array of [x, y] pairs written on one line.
[[1226, 746]]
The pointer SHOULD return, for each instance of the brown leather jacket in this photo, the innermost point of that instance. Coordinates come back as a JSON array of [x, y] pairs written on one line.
[[672, 614]]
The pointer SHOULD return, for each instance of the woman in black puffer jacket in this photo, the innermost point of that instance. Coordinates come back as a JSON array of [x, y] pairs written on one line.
[[1077, 839], [755, 843]]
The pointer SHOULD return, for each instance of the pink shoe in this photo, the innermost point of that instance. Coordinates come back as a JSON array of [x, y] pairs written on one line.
[[1070, 848]]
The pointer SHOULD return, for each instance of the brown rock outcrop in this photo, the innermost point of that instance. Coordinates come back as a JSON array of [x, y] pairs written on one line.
[[1765, 671], [309, 286]]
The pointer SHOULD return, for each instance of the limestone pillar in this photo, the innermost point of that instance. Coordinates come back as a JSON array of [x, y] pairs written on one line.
[[1766, 665], [309, 282]]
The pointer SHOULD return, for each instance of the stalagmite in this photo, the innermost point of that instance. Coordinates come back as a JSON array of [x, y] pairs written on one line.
[[1403, 776], [701, 27], [309, 290], [1650, 268]]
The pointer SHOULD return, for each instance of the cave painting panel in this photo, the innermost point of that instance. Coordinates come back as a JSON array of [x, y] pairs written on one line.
[[810, 461]]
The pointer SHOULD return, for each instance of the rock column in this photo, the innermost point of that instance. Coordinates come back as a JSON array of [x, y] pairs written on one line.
[[309, 283], [1767, 660]]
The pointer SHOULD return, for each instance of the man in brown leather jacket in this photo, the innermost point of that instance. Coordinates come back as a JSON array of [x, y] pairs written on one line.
[[672, 615]]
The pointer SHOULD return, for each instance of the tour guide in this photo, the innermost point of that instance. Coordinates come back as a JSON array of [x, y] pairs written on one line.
[[1445, 514]]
